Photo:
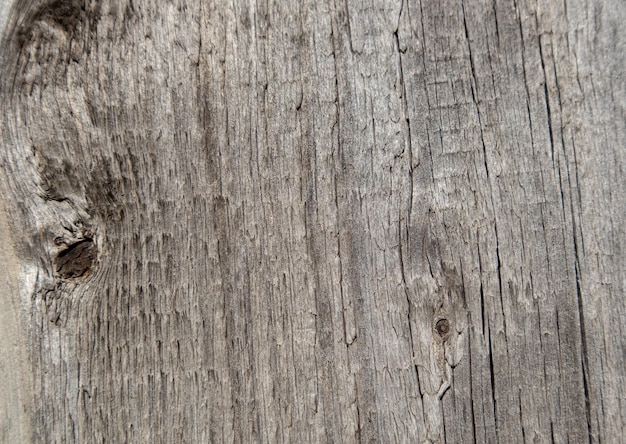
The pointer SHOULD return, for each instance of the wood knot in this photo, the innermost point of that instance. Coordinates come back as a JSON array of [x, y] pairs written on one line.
[[443, 328], [76, 260]]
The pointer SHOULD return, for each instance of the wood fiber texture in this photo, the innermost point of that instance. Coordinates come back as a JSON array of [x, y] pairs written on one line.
[[316, 221]]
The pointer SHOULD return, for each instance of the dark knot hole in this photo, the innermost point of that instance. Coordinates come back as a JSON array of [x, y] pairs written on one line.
[[443, 327], [76, 260]]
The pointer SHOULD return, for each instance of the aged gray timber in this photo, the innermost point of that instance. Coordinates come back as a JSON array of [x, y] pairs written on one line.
[[313, 221]]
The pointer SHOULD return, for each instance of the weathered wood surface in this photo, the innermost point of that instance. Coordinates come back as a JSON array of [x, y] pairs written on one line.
[[313, 221]]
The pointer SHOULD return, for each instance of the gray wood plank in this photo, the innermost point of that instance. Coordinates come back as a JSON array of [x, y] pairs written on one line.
[[359, 221]]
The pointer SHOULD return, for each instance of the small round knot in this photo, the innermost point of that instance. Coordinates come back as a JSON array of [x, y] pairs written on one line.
[[443, 327]]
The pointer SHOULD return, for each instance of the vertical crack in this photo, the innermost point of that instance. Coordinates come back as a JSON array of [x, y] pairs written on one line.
[[579, 297], [478, 114], [499, 272], [526, 89], [407, 123], [495, 18], [480, 274], [408, 301], [493, 383], [584, 353], [521, 416], [409, 147], [475, 88], [337, 206], [547, 99], [471, 377]]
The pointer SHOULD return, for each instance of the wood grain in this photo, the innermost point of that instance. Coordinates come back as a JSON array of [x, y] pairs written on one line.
[[317, 221]]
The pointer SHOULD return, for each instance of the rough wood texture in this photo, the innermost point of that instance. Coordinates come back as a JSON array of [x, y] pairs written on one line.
[[315, 221]]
